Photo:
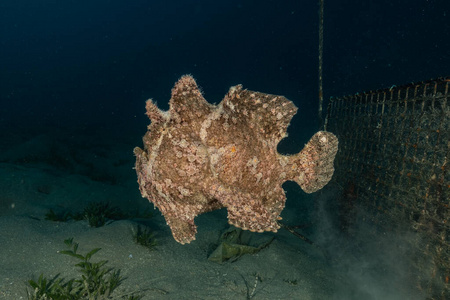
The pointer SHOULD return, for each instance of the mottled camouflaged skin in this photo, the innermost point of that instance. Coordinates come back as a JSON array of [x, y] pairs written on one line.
[[199, 157]]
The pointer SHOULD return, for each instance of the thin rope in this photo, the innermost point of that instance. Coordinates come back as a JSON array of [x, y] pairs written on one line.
[[320, 61]]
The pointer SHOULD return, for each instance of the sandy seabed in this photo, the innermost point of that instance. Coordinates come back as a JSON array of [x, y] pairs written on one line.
[[65, 171]]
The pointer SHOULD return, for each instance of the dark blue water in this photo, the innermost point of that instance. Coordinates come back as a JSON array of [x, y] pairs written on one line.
[[95, 62]]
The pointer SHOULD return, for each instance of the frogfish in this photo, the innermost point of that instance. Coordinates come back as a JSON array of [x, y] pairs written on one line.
[[198, 157]]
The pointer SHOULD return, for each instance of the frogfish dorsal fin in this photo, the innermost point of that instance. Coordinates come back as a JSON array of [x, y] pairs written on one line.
[[270, 114]]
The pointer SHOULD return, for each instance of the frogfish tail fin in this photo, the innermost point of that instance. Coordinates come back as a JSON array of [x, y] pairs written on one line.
[[314, 164]]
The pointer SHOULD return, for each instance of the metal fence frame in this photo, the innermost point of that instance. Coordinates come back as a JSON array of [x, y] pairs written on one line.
[[394, 148]]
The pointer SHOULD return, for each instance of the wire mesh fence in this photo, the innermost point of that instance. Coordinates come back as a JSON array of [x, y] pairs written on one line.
[[394, 147]]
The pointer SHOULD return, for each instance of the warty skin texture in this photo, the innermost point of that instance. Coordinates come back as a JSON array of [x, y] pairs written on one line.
[[199, 157]]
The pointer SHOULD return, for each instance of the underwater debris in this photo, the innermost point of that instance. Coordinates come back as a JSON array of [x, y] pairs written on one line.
[[199, 157], [233, 245]]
